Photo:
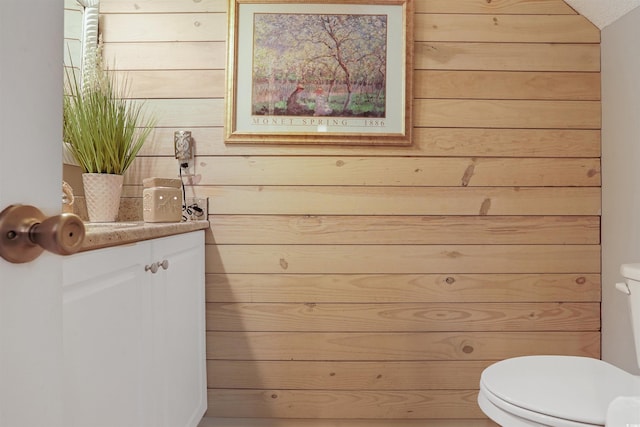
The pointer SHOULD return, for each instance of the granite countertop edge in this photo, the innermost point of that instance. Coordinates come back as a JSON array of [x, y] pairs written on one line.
[[104, 235]]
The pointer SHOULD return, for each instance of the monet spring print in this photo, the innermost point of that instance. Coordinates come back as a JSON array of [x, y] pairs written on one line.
[[303, 72], [319, 65]]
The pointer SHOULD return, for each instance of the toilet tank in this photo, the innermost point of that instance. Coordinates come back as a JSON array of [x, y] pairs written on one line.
[[631, 274]]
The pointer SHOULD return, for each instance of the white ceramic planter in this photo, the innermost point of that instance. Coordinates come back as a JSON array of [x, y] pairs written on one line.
[[102, 192]]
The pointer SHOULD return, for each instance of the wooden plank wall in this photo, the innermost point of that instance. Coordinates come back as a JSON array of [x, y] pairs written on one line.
[[72, 51], [355, 282]]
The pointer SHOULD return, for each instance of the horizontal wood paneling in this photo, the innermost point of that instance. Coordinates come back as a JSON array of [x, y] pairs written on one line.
[[507, 85], [505, 28], [461, 113], [162, 6], [164, 27], [334, 404], [166, 55], [165, 84], [507, 142], [520, 7], [402, 288], [332, 422], [392, 317], [72, 51], [356, 259], [437, 142], [287, 375], [397, 346], [285, 229], [406, 200], [373, 171], [427, 375], [377, 282], [186, 112], [507, 56]]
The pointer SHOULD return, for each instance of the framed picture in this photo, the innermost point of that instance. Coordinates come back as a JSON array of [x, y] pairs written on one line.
[[319, 72]]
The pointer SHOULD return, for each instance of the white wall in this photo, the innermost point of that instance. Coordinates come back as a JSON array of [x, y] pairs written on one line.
[[620, 181]]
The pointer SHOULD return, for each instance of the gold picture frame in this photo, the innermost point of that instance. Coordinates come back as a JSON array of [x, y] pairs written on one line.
[[312, 72]]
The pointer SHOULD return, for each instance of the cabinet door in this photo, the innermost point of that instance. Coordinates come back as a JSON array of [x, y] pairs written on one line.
[[106, 325], [179, 335]]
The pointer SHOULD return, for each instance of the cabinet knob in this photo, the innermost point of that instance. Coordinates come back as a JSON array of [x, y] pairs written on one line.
[[25, 233], [156, 266]]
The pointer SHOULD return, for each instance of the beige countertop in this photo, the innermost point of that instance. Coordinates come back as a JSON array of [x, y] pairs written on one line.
[[102, 235]]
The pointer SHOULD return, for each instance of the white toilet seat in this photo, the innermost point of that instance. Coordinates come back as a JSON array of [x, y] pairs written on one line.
[[559, 391], [505, 416], [508, 415]]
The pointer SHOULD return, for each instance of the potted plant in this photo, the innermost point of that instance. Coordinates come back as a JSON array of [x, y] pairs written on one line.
[[104, 131]]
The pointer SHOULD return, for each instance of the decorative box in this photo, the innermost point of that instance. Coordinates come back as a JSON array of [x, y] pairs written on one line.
[[162, 200]]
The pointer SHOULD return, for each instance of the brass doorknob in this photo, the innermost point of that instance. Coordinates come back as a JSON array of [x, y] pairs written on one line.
[[25, 233]]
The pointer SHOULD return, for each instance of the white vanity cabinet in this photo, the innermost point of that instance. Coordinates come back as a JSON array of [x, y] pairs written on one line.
[[134, 339]]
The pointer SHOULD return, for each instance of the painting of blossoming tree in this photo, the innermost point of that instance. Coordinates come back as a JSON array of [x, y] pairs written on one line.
[[319, 65]]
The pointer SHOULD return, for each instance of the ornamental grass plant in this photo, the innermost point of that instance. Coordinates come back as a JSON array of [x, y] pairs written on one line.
[[103, 129]]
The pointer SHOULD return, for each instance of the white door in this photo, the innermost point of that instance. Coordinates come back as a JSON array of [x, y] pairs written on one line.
[[31, 34]]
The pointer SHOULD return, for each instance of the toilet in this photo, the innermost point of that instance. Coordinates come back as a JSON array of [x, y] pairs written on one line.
[[566, 391]]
